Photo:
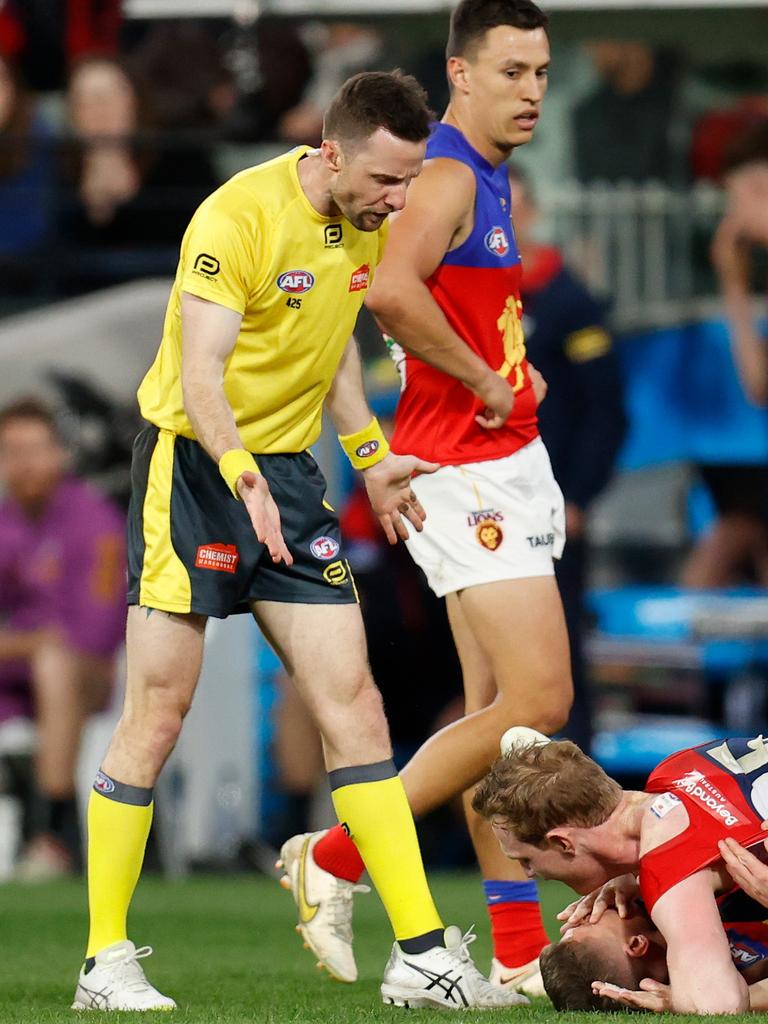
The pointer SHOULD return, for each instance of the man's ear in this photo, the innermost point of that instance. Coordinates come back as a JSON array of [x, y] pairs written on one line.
[[333, 158], [637, 945], [561, 839], [458, 73]]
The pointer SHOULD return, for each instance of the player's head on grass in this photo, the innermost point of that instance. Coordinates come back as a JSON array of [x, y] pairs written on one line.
[[544, 803], [498, 56], [32, 456], [374, 140], [618, 950]]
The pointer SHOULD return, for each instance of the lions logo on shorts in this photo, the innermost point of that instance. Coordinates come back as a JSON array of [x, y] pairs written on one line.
[[489, 534]]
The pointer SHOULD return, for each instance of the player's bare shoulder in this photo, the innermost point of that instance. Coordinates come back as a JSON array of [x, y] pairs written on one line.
[[664, 817], [446, 190]]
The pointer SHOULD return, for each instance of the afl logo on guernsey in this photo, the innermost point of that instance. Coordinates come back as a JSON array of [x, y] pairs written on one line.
[[295, 282], [496, 242]]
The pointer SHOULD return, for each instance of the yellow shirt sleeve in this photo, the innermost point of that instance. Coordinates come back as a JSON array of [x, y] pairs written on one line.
[[220, 252]]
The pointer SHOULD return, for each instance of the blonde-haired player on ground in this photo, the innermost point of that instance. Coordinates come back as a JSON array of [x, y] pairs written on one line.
[[556, 811]]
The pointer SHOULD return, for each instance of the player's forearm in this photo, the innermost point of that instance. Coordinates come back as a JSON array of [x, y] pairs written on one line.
[[346, 402], [749, 350], [209, 412], [710, 991], [406, 311]]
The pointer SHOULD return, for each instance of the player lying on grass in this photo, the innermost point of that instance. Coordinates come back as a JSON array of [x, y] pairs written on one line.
[[609, 936], [557, 812]]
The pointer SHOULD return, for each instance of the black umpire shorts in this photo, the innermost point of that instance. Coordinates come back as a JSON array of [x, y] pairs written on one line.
[[191, 545]]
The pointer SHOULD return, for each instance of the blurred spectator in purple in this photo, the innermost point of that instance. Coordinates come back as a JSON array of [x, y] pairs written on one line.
[[629, 128], [26, 177], [62, 615], [48, 36], [339, 50], [736, 548], [132, 197]]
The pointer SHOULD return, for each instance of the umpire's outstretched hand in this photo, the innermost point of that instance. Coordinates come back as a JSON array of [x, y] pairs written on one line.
[[264, 514]]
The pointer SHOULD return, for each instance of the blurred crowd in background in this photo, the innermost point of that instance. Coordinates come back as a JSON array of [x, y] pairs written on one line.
[[640, 213]]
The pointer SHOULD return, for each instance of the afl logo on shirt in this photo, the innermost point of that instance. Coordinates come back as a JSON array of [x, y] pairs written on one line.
[[295, 282], [496, 242]]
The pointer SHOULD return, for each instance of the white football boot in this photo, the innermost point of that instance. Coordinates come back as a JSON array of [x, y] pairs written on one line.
[[525, 979], [117, 982], [324, 903], [443, 978]]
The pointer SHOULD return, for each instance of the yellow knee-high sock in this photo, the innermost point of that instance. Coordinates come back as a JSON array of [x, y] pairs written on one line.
[[119, 817], [372, 806]]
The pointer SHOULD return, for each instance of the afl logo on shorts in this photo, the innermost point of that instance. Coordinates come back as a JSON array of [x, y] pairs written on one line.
[[489, 534], [324, 548], [367, 449], [103, 784], [496, 242], [295, 282]]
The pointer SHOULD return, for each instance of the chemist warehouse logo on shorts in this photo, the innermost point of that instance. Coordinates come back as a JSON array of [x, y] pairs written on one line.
[[695, 785], [219, 557]]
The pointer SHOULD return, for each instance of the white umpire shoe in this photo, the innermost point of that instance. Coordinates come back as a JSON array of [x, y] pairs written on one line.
[[444, 978], [117, 982], [324, 903], [525, 979]]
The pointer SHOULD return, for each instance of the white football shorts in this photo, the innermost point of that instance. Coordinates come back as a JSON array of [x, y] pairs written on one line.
[[489, 521]]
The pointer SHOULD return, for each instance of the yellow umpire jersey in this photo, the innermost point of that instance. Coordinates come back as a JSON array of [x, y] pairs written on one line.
[[259, 247]]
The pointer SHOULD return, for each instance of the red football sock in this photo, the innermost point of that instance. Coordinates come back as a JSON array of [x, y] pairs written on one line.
[[337, 854], [517, 931]]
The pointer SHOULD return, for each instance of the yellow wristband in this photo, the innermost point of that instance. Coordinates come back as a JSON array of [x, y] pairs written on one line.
[[367, 447], [233, 464]]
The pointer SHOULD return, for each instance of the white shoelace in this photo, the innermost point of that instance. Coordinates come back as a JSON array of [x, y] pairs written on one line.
[[340, 910], [129, 972]]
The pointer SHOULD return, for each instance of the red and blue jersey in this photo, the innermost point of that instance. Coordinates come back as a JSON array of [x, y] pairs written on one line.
[[723, 786], [477, 286]]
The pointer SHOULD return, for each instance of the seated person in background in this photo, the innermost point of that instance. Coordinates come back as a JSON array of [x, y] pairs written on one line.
[[621, 946], [558, 813], [133, 191], [738, 543], [26, 180], [62, 614]]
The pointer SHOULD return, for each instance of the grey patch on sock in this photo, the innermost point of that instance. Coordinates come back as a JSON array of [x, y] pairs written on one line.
[[362, 773], [121, 792]]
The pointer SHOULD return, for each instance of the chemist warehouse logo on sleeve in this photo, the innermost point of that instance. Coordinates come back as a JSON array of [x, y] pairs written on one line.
[[697, 786]]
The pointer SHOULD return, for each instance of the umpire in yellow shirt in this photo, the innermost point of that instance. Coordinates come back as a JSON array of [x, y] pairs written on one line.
[[229, 514]]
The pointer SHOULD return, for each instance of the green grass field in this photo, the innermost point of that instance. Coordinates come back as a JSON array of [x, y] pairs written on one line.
[[225, 949]]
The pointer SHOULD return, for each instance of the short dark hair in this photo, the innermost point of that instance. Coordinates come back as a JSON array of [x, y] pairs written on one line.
[[378, 99], [568, 970], [29, 408], [473, 18]]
